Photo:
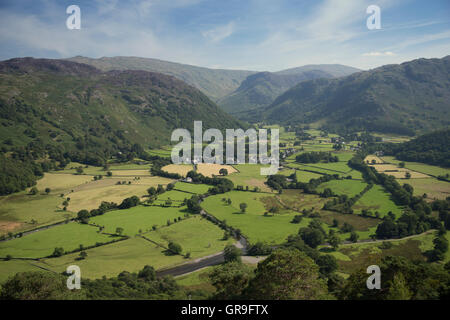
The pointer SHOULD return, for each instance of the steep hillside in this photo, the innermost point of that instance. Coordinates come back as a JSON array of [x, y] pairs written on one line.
[[432, 148], [260, 89], [411, 97], [215, 83], [90, 115]]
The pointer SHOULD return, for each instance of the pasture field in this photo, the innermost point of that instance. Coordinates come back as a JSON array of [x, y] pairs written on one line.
[[128, 255], [253, 224], [174, 195], [419, 167], [192, 188], [181, 169], [318, 169], [305, 176], [61, 182], [348, 187], [352, 257], [129, 166], [90, 170], [164, 151], [249, 175], [297, 201], [130, 173], [343, 156], [11, 267], [360, 223], [377, 199], [210, 169], [397, 172], [19, 209], [137, 218], [41, 244], [339, 167], [195, 235], [435, 189], [317, 147], [91, 195]]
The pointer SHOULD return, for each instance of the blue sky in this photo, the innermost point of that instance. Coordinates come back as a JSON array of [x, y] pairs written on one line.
[[254, 35]]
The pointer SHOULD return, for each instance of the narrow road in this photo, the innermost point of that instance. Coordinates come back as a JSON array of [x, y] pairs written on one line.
[[192, 266]]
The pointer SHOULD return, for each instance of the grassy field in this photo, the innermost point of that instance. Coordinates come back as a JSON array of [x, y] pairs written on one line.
[[209, 170], [131, 173], [435, 189], [192, 188], [305, 176], [129, 166], [296, 200], [360, 223], [195, 235], [138, 218], [41, 244], [174, 195], [348, 187], [419, 167], [60, 182], [253, 223], [91, 195], [129, 255], [11, 267], [325, 169], [397, 172], [19, 209], [355, 256], [339, 167], [376, 199], [249, 175]]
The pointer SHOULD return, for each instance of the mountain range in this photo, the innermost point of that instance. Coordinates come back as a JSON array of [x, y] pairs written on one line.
[[404, 98], [215, 83], [260, 89], [78, 108]]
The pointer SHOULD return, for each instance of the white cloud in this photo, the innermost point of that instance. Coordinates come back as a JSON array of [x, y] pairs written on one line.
[[379, 54], [219, 33]]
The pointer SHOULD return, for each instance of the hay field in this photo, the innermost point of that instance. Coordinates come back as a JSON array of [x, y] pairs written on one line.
[[181, 169], [212, 169], [91, 195], [372, 157]]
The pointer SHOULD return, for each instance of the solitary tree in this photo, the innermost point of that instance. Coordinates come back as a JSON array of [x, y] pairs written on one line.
[[175, 248], [119, 230], [223, 172], [83, 255], [47, 190], [243, 207]]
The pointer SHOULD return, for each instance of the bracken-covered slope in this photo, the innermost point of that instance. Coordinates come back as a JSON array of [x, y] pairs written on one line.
[[406, 98], [260, 89], [78, 107], [215, 83]]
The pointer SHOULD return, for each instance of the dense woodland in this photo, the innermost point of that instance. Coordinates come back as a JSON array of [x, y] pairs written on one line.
[[432, 148]]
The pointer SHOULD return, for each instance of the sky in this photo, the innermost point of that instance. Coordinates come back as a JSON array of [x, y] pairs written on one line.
[[260, 35]]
